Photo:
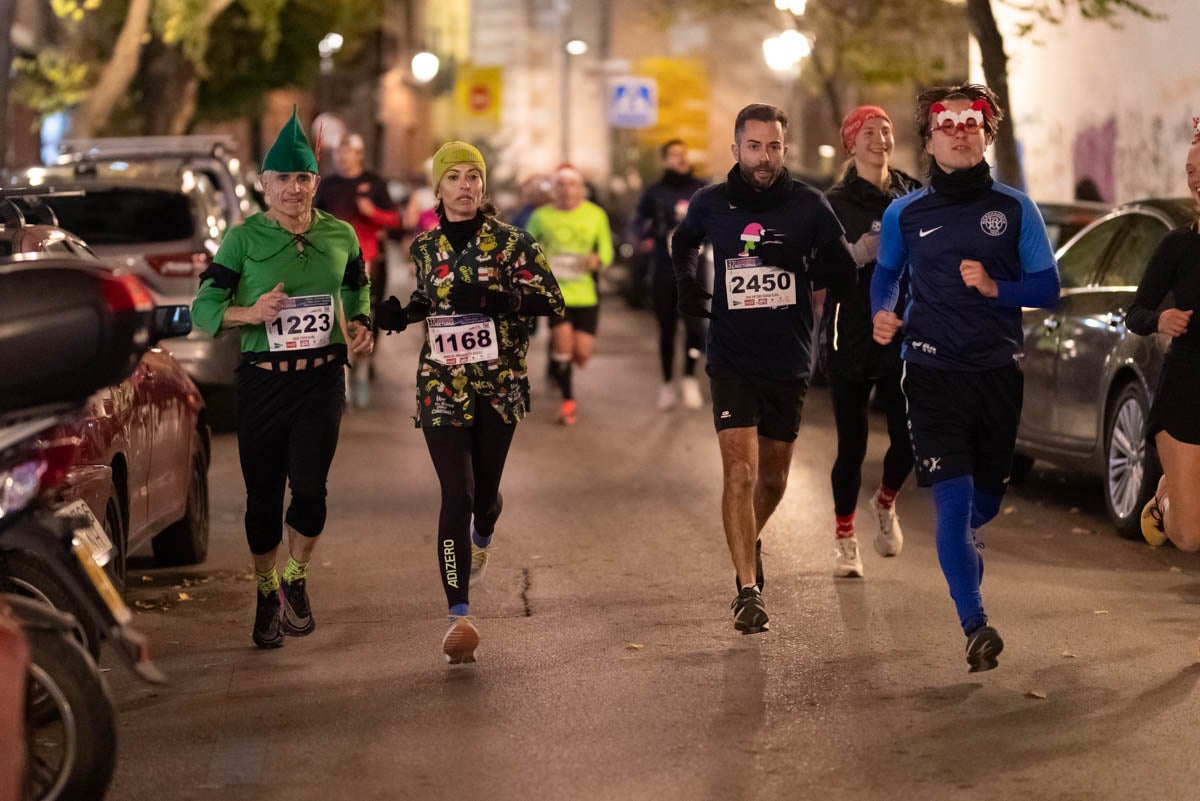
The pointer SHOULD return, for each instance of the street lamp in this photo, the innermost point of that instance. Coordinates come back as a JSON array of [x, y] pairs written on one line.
[[425, 66], [795, 6], [784, 52], [577, 47]]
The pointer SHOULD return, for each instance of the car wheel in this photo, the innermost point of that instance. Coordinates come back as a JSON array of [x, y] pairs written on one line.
[[185, 542], [1131, 473]]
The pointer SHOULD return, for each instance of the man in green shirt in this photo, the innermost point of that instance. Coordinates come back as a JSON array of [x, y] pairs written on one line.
[[293, 280], [575, 236]]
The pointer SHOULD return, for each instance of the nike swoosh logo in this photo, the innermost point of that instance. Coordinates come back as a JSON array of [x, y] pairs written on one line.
[[732, 206], [925, 233]]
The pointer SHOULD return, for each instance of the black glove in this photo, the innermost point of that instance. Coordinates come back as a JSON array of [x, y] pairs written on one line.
[[691, 300], [776, 252], [475, 299], [390, 316]]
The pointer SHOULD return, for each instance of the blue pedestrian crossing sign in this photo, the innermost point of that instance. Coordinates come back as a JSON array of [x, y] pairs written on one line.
[[632, 102]]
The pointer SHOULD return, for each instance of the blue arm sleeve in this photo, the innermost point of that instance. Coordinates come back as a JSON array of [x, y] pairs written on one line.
[[889, 264], [1039, 286]]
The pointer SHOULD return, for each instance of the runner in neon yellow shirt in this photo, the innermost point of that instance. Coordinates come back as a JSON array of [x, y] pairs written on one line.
[[575, 235]]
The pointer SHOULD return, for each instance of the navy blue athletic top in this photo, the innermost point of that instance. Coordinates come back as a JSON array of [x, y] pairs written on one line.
[[789, 226], [947, 324]]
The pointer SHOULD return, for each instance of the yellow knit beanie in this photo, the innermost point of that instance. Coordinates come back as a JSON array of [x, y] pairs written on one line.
[[452, 154]]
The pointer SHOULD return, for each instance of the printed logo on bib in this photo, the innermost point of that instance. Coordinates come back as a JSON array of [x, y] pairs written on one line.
[[750, 284], [462, 339], [304, 322]]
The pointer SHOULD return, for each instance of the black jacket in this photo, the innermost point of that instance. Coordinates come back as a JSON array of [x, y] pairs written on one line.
[[846, 327], [661, 208]]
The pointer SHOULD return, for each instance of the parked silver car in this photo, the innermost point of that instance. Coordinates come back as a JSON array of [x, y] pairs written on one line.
[[1088, 380], [163, 222]]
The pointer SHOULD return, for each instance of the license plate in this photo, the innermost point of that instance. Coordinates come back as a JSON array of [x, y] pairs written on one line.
[[89, 531], [103, 584]]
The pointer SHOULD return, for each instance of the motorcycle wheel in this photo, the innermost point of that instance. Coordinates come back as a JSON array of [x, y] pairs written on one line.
[[28, 577], [70, 721]]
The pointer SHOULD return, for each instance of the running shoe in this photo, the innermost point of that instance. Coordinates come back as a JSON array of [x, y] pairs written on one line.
[[749, 613], [666, 397], [848, 562], [460, 641], [297, 614], [690, 387], [889, 539], [1153, 528], [758, 571], [479, 563], [983, 646], [566, 413], [268, 623]]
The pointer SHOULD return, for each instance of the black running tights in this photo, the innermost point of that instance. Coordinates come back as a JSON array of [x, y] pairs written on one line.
[[850, 402], [469, 462], [666, 308]]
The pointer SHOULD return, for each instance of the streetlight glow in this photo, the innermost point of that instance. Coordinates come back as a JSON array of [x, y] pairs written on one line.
[[425, 66], [784, 52], [797, 7], [330, 44], [577, 47]]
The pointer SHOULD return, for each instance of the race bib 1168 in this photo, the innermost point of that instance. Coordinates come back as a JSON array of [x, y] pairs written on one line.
[[462, 339]]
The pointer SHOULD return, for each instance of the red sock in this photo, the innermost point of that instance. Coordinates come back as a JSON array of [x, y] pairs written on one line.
[[886, 497], [845, 526]]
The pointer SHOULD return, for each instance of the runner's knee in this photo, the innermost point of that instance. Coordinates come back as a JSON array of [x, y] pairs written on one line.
[[307, 512]]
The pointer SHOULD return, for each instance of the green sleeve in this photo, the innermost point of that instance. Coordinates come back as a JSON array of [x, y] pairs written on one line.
[[218, 284], [534, 226], [604, 245]]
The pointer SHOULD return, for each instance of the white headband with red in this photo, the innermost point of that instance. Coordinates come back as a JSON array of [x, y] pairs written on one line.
[[969, 119]]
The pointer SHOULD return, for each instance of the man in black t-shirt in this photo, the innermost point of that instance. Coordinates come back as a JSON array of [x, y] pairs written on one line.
[[773, 238]]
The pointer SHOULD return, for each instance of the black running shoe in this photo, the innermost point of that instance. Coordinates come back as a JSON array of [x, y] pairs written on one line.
[[268, 624], [983, 646], [297, 614], [758, 571], [749, 614]]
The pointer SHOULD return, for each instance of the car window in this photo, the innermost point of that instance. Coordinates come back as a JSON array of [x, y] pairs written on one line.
[[1077, 265], [126, 215], [1132, 253]]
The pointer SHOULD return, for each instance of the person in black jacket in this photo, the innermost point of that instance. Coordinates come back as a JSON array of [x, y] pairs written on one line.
[[857, 364], [1174, 269], [661, 208]]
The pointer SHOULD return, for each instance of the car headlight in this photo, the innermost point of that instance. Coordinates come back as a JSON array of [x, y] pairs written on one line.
[[19, 485]]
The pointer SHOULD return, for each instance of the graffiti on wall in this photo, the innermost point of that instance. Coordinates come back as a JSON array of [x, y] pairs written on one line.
[[1094, 161]]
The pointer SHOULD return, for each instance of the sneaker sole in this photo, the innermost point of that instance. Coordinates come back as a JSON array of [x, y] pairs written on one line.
[[460, 645], [847, 572], [984, 657], [885, 548], [292, 625], [268, 644], [1150, 530], [747, 629]]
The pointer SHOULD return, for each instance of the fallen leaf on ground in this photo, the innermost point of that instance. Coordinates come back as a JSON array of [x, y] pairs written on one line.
[[536, 556], [1038, 694], [1074, 510], [183, 596], [327, 564], [1008, 510], [1100, 612], [1176, 569], [634, 646], [1069, 655], [1078, 530], [145, 578]]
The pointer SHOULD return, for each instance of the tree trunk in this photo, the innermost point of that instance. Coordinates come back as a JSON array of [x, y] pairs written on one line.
[[995, 72], [8, 9], [93, 115]]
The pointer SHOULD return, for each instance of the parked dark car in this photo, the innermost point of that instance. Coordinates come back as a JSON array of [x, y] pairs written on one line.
[[1064, 220], [138, 458], [1088, 380]]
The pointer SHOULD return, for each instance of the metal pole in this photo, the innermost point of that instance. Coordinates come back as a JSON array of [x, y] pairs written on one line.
[[8, 10], [564, 102]]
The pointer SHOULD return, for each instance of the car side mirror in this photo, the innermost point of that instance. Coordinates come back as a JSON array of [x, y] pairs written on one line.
[[171, 322]]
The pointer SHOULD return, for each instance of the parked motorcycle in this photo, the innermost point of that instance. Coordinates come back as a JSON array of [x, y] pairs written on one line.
[[67, 329]]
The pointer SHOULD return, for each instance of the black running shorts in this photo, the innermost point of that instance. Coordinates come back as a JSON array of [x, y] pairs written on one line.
[[581, 318], [963, 423], [773, 407]]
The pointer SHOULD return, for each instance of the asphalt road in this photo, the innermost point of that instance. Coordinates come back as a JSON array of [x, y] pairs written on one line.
[[609, 668]]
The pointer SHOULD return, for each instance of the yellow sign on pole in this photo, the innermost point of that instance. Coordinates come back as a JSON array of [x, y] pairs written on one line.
[[477, 95]]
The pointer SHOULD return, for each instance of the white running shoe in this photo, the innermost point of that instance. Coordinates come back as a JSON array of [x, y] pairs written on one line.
[[460, 641], [692, 399], [889, 539], [848, 563], [479, 563], [666, 397]]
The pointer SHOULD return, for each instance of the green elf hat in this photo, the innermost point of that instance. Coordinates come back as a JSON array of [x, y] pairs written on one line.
[[291, 151]]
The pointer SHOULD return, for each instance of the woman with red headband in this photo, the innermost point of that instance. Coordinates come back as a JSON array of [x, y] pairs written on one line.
[[1174, 511], [857, 364]]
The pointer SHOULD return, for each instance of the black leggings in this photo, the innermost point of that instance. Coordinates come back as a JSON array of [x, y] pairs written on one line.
[[287, 432], [469, 462], [850, 402], [666, 308]]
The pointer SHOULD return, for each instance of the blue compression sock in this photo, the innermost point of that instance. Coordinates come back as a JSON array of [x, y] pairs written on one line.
[[956, 552], [984, 507], [459, 610], [479, 539]]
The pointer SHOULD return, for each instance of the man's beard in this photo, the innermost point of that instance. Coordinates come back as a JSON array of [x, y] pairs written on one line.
[[752, 178]]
